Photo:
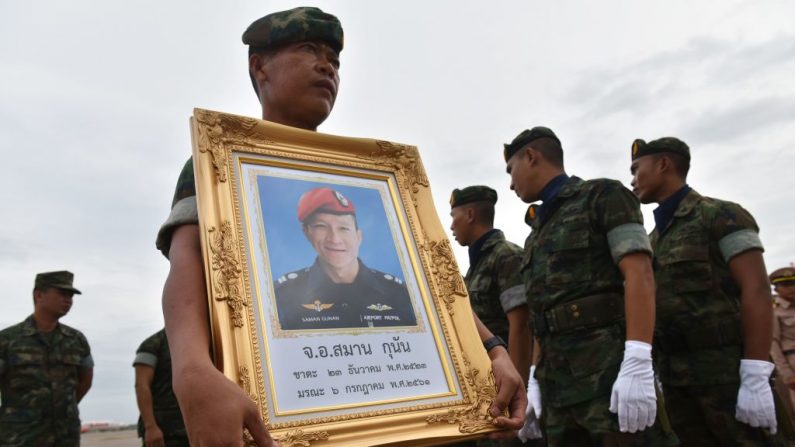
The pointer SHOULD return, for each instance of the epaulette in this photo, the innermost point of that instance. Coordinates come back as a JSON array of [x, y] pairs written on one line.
[[387, 276], [291, 276]]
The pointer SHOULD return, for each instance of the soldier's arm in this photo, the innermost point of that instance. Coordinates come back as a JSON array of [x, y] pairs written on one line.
[[215, 410], [144, 376], [519, 339], [638, 296], [756, 312], [84, 378], [510, 388], [619, 217]]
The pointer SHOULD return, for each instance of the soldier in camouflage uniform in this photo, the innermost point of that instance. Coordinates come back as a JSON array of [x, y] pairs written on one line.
[[160, 423], [587, 271], [293, 64], [495, 286], [713, 305], [45, 369]]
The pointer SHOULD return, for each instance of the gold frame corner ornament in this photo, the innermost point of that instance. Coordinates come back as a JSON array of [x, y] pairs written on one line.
[[444, 267], [476, 416], [225, 264]]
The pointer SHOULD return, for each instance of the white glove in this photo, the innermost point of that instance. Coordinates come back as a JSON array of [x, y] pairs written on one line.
[[755, 399], [532, 426], [633, 395]]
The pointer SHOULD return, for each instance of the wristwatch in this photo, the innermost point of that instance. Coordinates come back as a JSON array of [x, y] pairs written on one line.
[[493, 342]]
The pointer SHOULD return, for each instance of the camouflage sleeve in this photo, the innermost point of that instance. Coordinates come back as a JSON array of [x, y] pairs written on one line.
[[618, 216], [147, 352], [86, 361], [509, 279], [627, 238], [183, 208], [735, 230]]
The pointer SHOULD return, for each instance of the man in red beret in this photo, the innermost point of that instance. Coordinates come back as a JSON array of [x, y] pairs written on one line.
[[338, 290]]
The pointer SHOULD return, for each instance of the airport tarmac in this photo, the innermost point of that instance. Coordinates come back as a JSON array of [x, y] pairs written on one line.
[[121, 438]]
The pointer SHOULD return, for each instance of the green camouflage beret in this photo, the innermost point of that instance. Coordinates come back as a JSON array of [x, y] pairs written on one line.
[[665, 144], [525, 137], [786, 274], [472, 194], [60, 280], [294, 25]]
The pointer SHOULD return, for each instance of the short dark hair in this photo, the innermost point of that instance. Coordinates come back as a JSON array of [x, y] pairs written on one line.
[[264, 52], [681, 163], [550, 148], [484, 212]]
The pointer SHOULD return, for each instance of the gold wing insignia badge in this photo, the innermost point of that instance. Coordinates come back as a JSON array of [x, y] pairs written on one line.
[[317, 306], [379, 307]]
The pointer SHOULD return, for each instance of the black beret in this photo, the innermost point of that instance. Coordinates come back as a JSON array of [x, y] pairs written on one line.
[[665, 144], [525, 137], [472, 194]]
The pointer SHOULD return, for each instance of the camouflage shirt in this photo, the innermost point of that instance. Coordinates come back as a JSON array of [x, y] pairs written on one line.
[[495, 284], [573, 253], [697, 339], [38, 381], [183, 208], [154, 352]]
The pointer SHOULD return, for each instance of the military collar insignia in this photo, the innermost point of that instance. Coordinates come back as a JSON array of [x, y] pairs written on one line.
[[317, 306], [379, 307]]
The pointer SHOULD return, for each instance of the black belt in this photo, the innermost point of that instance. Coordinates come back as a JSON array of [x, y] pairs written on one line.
[[590, 311], [789, 351]]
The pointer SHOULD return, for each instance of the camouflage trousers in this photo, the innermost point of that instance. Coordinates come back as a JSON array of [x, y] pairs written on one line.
[[39, 434], [592, 424], [703, 416]]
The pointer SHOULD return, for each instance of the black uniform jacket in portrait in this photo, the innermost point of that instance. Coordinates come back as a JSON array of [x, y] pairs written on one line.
[[308, 299]]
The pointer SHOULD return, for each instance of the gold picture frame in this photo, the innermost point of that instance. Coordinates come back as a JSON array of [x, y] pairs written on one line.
[[380, 377]]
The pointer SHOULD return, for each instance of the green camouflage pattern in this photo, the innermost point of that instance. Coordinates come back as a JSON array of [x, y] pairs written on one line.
[[471, 194], [60, 280], [164, 403], [568, 257], [704, 416], [592, 424], [695, 292], [294, 25], [496, 273], [38, 382], [186, 183]]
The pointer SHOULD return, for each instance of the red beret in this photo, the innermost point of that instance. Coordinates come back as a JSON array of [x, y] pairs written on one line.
[[323, 199]]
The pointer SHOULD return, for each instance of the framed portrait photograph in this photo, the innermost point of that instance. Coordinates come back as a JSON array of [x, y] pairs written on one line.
[[335, 299]]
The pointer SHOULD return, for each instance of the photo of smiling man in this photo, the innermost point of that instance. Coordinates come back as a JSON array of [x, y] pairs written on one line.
[[338, 290]]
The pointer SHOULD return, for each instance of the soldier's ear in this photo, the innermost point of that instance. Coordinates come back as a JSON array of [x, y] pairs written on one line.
[[470, 214]]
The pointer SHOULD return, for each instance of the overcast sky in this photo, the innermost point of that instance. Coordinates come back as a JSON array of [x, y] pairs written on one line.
[[95, 99]]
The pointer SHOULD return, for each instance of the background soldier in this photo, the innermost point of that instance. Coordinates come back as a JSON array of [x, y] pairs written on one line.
[[783, 348], [293, 65], [713, 305], [495, 286], [45, 370], [493, 280], [587, 270], [160, 423]]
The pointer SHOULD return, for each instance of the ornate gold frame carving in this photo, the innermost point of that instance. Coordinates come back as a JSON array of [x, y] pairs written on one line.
[[222, 143]]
